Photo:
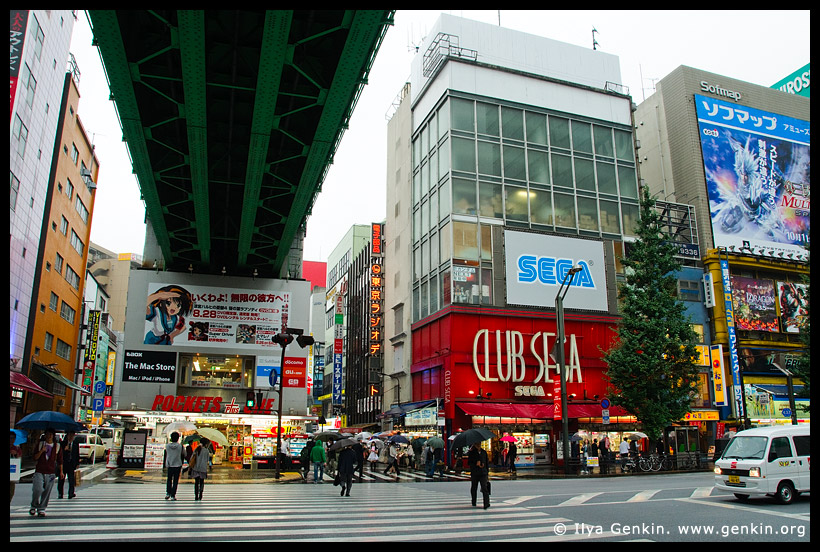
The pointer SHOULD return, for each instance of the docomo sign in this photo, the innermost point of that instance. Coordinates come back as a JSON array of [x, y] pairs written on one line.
[[514, 368], [294, 373]]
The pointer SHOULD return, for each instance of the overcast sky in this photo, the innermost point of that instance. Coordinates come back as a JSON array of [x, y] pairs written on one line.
[[759, 47]]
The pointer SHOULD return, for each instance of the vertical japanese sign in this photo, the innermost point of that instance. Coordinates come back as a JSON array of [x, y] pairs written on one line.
[[18, 20], [376, 301], [716, 353], [730, 328], [90, 359], [338, 349]]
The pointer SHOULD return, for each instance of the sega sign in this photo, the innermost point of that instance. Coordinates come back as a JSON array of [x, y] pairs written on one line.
[[537, 264]]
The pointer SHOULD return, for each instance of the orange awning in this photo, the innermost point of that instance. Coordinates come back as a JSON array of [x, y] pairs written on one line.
[[16, 379]]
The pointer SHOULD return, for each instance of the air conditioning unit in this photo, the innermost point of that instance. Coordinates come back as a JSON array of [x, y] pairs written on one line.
[[60, 402]]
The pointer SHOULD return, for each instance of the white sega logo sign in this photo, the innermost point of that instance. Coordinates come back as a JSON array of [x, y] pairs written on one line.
[[710, 132]]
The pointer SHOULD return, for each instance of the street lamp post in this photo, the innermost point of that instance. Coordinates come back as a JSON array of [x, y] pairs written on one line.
[[283, 340], [559, 313]]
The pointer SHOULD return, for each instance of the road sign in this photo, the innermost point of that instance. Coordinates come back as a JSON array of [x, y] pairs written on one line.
[[605, 416], [605, 403], [99, 387], [97, 405]]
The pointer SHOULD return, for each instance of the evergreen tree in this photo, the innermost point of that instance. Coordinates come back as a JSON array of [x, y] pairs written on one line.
[[650, 366]]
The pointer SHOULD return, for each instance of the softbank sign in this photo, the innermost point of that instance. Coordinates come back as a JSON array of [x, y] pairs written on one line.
[[536, 265]]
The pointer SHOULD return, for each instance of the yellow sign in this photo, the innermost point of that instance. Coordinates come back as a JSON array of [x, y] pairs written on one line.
[[702, 416], [716, 353]]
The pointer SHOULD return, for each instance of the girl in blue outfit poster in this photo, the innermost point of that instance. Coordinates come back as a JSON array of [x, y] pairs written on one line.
[[166, 311]]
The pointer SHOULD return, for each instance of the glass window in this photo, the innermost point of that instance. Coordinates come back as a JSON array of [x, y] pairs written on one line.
[[559, 132], [466, 284], [581, 137], [425, 217], [587, 213], [541, 206], [463, 155], [516, 203], [425, 258], [425, 178], [465, 240], [603, 141], [489, 158], [444, 200], [433, 165], [462, 111], [630, 218], [623, 145], [416, 225], [487, 119], [417, 263], [486, 242], [445, 251], [464, 202], [610, 217], [489, 198], [444, 286], [434, 250], [512, 123], [564, 210], [416, 303], [433, 282], [226, 372], [536, 128], [443, 159], [584, 174], [628, 183], [606, 178], [561, 170], [417, 151], [514, 165], [443, 117], [486, 286], [539, 166]]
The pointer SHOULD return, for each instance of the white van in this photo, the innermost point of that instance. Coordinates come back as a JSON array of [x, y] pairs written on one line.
[[774, 461], [111, 437]]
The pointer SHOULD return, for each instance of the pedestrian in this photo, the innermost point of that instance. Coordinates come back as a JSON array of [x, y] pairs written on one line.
[[174, 458], [429, 460], [304, 458], [479, 473], [189, 453], [199, 466], [358, 450], [14, 452], [318, 457], [512, 455], [393, 461], [623, 452], [438, 460], [603, 455], [347, 464], [70, 448], [47, 457], [373, 457]]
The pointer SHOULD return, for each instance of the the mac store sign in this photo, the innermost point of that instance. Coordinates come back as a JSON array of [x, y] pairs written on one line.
[[149, 367]]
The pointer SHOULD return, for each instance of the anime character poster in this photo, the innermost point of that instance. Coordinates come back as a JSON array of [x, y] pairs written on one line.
[[758, 172], [794, 305], [214, 317]]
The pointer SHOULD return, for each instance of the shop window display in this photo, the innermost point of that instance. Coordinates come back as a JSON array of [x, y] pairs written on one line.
[[214, 371]]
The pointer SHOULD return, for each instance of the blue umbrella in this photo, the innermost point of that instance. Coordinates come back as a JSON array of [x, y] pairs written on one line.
[[20, 436], [398, 439], [49, 419]]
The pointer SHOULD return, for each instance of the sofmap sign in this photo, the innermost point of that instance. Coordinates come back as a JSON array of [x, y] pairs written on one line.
[[537, 264]]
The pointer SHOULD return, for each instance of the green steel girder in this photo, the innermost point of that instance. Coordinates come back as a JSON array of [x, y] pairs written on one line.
[[232, 118]]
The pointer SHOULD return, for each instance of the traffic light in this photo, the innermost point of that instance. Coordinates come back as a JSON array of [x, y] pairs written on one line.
[[250, 401], [283, 339]]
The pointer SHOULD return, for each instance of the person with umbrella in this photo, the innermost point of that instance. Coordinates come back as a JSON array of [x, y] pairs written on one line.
[[199, 466], [47, 456], [479, 473], [393, 461], [347, 464]]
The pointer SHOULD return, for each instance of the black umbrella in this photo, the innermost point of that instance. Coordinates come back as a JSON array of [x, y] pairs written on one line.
[[475, 435], [398, 439], [328, 436], [342, 443], [49, 419]]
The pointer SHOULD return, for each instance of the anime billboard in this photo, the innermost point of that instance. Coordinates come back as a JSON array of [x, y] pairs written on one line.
[[214, 317], [754, 304], [758, 171]]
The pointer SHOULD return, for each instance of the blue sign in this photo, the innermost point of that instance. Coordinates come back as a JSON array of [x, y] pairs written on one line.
[[97, 405], [99, 387], [337, 379], [273, 378], [605, 403]]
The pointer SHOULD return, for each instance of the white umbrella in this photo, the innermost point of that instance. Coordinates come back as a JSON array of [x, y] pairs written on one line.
[[180, 426], [363, 436], [637, 435], [213, 435]]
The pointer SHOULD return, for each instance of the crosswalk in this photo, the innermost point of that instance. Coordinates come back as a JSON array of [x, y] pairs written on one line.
[[248, 512], [405, 476]]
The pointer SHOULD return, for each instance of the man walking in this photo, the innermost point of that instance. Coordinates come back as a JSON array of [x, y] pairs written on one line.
[[70, 461], [479, 473], [318, 457], [174, 458]]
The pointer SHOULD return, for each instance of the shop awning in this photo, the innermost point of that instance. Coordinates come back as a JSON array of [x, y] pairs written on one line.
[[778, 390], [404, 408], [540, 411], [16, 379], [57, 376]]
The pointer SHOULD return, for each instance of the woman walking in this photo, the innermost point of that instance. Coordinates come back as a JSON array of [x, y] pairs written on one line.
[[199, 467]]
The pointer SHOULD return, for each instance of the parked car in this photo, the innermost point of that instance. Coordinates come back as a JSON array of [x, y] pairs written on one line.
[[90, 444]]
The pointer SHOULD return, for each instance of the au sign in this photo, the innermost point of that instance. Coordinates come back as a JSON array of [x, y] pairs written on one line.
[[510, 364]]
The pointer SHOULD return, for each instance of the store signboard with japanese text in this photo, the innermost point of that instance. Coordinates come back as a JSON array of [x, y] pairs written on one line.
[[537, 264], [758, 170], [207, 316]]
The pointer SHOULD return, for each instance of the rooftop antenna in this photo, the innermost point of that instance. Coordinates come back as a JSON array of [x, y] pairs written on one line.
[[594, 42], [412, 44]]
